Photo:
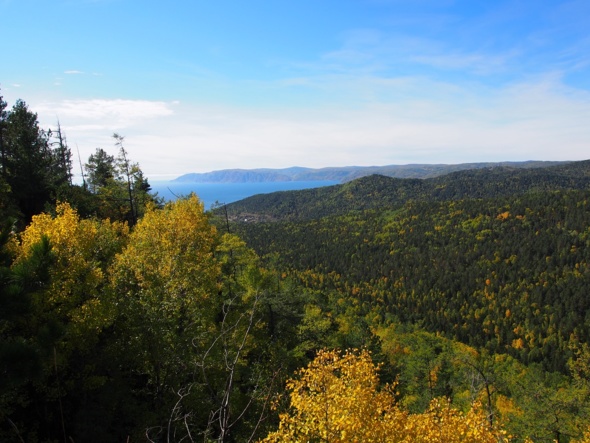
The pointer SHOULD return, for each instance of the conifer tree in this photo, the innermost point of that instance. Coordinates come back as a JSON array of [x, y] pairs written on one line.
[[26, 160]]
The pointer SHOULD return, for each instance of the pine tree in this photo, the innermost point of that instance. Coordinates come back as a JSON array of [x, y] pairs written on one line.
[[26, 160]]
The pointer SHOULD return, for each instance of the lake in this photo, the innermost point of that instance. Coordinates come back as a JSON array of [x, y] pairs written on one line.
[[209, 193]]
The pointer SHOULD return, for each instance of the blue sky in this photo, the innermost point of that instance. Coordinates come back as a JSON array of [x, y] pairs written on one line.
[[201, 85]]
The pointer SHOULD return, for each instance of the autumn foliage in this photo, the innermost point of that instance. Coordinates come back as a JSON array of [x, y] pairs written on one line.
[[337, 399], [81, 248]]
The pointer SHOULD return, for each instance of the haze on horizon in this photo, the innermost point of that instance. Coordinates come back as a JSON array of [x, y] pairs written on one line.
[[198, 86]]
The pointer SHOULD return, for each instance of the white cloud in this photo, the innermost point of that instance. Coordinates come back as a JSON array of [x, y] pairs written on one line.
[[89, 124], [376, 135], [116, 113], [539, 119], [482, 64], [73, 72]]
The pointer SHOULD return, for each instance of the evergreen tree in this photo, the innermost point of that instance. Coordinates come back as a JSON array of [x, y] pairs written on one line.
[[3, 124], [5, 197], [61, 159], [27, 160], [99, 169], [121, 188]]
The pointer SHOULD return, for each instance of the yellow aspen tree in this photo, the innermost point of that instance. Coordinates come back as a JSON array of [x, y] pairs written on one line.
[[165, 281], [585, 438], [442, 423], [168, 266], [82, 249], [335, 399]]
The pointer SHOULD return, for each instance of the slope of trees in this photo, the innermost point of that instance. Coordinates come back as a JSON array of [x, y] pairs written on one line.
[[157, 333], [509, 274], [379, 192], [463, 298]]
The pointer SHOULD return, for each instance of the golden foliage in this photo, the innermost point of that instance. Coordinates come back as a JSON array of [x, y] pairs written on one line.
[[442, 423], [81, 248], [169, 258], [585, 438], [165, 282], [336, 399]]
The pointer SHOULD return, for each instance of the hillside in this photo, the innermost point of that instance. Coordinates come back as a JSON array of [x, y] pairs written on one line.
[[496, 258], [345, 174], [380, 192]]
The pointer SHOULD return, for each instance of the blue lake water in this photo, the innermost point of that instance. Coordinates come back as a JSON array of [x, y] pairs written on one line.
[[209, 193]]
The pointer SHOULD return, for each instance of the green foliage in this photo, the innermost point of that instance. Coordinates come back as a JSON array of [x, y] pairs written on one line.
[[120, 189], [26, 160], [100, 169], [19, 350], [507, 274]]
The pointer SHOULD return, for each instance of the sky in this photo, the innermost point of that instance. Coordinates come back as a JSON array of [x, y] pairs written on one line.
[[202, 85]]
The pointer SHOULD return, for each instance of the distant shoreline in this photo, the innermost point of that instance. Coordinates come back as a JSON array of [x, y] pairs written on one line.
[[346, 173], [224, 193]]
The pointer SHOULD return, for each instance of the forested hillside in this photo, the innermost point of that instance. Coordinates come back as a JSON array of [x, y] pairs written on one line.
[[509, 274], [495, 259], [380, 192], [450, 309]]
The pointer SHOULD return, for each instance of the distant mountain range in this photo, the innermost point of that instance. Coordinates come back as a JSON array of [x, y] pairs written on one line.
[[347, 173], [378, 192]]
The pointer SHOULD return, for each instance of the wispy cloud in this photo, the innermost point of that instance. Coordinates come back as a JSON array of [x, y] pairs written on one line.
[[372, 52], [540, 118], [118, 112], [477, 63], [90, 123], [382, 96], [520, 122]]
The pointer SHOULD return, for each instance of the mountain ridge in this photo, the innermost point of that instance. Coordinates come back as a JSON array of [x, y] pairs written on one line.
[[347, 173], [378, 191]]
